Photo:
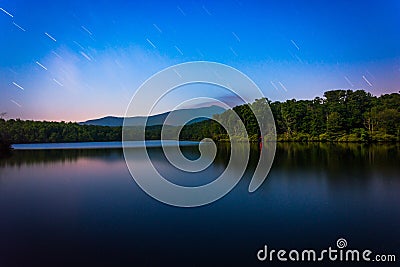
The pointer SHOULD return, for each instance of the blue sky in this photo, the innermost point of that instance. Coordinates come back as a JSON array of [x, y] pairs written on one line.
[[76, 60]]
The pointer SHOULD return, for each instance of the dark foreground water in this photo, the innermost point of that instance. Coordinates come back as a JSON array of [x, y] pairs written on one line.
[[80, 207]]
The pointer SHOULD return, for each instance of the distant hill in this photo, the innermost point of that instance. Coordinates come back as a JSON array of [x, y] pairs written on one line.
[[180, 116]]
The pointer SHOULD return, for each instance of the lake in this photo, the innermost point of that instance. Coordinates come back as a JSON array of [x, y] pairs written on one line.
[[81, 207]]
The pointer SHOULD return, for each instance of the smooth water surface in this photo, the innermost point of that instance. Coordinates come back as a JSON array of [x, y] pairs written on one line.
[[82, 207], [97, 145]]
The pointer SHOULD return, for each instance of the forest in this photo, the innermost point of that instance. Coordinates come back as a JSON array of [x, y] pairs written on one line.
[[338, 116], [19, 131]]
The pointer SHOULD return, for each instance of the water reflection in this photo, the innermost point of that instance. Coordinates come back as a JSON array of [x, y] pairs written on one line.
[[83, 206], [327, 156], [340, 161], [337, 163], [31, 157]]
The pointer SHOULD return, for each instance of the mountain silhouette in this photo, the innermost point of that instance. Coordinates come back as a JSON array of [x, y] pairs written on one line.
[[178, 117]]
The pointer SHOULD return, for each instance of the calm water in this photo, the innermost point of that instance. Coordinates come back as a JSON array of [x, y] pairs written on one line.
[[97, 145], [81, 207]]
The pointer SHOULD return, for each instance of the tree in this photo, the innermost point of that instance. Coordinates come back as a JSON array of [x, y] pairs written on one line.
[[341, 115]]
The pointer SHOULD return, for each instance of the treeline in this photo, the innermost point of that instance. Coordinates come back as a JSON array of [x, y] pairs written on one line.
[[19, 131], [339, 116]]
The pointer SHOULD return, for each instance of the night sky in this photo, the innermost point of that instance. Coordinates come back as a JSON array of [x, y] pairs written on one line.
[[73, 61]]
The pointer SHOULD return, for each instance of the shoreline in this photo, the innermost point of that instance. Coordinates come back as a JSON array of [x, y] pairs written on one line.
[[197, 141]]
